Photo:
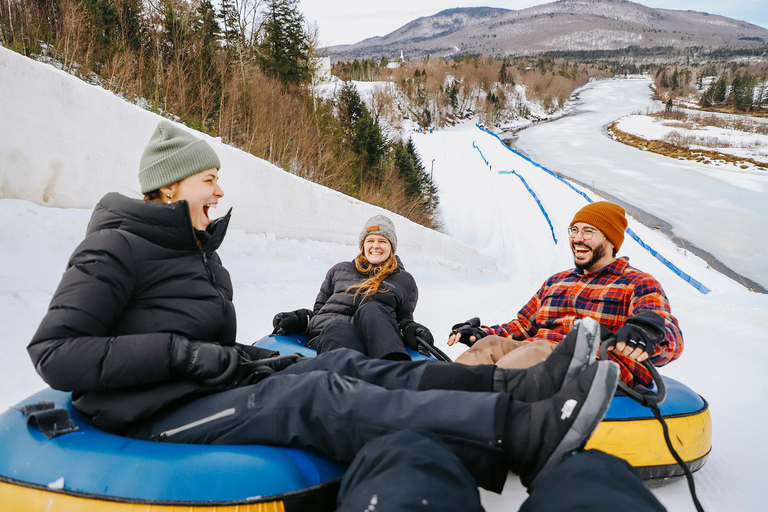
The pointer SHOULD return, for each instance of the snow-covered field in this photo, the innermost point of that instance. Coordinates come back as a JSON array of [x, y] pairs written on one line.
[[64, 144], [724, 140]]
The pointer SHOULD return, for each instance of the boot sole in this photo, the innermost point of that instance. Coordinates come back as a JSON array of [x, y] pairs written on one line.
[[585, 351], [590, 415]]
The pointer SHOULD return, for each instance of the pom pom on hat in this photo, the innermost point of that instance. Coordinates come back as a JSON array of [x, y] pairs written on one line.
[[171, 155]]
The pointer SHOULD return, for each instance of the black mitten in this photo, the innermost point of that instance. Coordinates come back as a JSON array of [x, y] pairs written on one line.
[[207, 362], [645, 329], [467, 329], [252, 371], [294, 322], [413, 331]]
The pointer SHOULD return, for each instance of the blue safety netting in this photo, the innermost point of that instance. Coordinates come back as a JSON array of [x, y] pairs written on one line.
[[536, 198], [481, 153], [683, 275]]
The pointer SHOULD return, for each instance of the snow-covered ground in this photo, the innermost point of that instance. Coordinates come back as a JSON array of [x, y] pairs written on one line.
[[64, 144], [724, 140], [722, 210]]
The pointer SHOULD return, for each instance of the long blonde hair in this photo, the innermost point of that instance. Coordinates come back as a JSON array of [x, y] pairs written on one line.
[[377, 274]]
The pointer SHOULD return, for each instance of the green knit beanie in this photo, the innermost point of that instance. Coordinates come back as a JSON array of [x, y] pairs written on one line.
[[171, 155]]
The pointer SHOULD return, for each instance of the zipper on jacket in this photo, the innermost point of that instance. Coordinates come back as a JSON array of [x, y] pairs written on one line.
[[208, 270], [212, 280], [172, 432]]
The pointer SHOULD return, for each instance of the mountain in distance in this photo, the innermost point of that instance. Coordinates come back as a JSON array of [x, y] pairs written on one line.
[[565, 25]]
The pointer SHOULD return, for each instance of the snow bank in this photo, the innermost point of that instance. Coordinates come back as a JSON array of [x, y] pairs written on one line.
[[96, 138]]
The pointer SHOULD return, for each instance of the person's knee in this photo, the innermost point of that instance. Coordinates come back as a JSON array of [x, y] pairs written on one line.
[[337, 334], [370, 308], [526, 355], [406, 468], [488, 350]]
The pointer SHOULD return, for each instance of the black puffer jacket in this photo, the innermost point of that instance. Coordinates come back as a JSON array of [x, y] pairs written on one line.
[[398, 293], [137, 280]]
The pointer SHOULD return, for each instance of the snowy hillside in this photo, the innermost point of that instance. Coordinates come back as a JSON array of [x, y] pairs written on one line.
[[67, 143]]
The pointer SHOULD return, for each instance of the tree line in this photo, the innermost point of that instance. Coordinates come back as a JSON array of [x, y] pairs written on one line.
[[239, 71], [732, 86]]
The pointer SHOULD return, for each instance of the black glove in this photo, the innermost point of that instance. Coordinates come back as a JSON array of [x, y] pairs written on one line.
[[469, 328], [294, 322], [251, 371], [645, 330], [412, 331], [207, 362]]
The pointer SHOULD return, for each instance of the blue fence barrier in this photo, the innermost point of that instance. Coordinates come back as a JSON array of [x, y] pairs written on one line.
[[481, 153], [536, 198], [656, 254]]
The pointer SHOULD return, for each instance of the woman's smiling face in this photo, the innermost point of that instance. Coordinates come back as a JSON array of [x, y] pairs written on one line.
[[201, 191], [376, 249]]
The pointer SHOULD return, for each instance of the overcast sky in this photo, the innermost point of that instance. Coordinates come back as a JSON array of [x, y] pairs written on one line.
[[350, 21]]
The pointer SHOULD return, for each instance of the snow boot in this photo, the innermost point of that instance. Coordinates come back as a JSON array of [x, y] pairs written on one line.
[[576, 352], [539, 435]]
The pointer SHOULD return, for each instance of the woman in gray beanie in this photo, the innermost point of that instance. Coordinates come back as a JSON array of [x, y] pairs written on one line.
[[366, 304]]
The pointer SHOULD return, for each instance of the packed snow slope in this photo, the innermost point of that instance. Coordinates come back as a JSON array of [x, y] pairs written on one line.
[[65, 143]]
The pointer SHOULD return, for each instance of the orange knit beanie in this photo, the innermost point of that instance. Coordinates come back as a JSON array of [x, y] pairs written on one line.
[[607, 217]]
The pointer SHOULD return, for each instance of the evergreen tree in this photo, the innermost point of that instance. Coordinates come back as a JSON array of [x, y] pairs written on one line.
[[230, 21], [350, 106], [718, 93], [503, 76], [428, 189], [407, 169], [284, 49], [362, 132]]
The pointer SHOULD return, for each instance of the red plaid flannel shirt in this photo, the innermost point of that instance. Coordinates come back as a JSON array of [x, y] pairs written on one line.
[[610, 296]]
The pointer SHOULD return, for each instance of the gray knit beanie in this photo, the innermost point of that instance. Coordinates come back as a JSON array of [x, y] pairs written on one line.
[[379, 225], [171, 155]]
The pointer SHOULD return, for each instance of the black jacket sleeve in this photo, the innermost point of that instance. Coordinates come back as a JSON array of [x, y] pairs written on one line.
[[326, 290], [408, 305], [73, 349]]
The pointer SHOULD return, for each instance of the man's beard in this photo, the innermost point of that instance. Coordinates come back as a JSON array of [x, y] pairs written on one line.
[[597, 253]]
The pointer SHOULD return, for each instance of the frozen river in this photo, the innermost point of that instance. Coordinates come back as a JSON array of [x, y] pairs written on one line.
[[720, 210]]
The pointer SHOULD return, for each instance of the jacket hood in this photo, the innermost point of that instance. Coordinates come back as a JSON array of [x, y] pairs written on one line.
[[167, 225]]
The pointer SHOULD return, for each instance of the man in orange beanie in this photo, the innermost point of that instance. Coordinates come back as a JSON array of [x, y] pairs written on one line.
[[627, 303]]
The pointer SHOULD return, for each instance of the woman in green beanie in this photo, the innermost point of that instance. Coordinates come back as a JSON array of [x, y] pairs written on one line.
[[145, 298], [365, 304]]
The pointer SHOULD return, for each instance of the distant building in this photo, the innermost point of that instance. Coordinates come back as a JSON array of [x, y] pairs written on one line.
[[322, 70], [397, 64]]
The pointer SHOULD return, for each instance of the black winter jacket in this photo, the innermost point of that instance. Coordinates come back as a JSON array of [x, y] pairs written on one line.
[[398, 293], [137, 280]]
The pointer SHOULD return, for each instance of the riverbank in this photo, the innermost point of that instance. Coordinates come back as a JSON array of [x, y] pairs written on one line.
[[704, 156]]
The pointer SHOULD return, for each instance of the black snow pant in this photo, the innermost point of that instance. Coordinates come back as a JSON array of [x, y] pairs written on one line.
[[416, 471], [373, 331], [592, 481], [336, 403]]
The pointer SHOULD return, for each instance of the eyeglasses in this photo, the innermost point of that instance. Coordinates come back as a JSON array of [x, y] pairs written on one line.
[[586, 233]]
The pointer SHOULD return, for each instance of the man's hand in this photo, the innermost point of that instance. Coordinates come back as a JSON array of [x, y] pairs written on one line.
[[466, 332], [412, 331], [294, 322], [638, 337]]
